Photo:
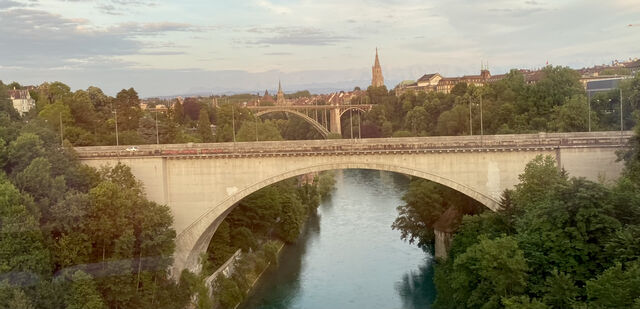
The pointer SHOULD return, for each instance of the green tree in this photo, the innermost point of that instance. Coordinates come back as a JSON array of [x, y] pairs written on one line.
[[267, 131], [489, 271], [454, 121], [6, 106], [24, 251], [416, 120], [617, 287], [572, 116], [292, 218], [37, 181], [178, 112], [524, 302], [127, 104], [19, 300], [83, 293], [560, 290], [576, 220], [25, 148], [424, 203], [204, 126]]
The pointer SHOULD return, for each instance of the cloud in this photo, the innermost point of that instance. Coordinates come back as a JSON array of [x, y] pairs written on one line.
[[41, 39], [278, 54], [5, 4], [295, 36], [278, 9], [133, 28], [116, 7]]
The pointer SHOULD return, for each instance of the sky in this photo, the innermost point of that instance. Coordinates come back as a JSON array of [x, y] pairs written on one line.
[[164, 48]]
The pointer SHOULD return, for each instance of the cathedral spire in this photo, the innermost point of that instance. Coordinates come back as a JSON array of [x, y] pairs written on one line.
[[280, 96], [377, 80]]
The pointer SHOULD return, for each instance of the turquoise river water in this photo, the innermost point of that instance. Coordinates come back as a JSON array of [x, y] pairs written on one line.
[[348, 256]]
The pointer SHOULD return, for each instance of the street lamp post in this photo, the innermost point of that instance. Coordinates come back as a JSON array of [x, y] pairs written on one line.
[[589, 111], [116, 118], [233, 123], [621, 118], [351, 122], [256, 120], [481, 122], [61, 132], [157, 134], [359, 126], [470, 120]]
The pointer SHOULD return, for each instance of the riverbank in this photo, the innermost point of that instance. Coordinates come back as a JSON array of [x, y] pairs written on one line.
[[253, 284]]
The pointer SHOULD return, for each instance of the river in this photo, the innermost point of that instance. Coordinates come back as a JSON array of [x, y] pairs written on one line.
[[348, 256]]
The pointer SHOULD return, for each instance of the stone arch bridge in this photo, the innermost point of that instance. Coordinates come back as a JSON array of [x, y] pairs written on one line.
[[201, 183], [309, 113]]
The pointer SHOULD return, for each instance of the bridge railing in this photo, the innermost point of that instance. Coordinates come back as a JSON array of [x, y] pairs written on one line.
[[508, 141]]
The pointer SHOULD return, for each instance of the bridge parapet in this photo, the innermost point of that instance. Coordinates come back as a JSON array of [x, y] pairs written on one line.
[[487, 143]]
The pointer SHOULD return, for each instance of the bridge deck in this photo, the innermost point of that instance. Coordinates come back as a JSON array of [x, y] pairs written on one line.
[[509, 142], [309, 107]]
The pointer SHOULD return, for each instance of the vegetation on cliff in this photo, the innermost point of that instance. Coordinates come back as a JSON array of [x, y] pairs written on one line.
[[558, 242], [75, 237]]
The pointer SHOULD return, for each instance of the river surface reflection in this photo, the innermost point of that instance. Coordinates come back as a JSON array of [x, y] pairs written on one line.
[[348, 256]]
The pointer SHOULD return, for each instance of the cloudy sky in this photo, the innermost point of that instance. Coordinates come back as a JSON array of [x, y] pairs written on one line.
[[177, 47]]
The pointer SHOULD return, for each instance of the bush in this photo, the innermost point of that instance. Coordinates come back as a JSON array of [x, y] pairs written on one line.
[[402, 133], [227, 292], [271, 252]]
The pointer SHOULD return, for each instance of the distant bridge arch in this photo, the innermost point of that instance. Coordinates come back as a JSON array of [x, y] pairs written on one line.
[[356, 108], [321, 129]]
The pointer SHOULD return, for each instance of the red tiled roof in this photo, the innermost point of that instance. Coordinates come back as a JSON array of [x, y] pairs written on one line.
[[18, 94]]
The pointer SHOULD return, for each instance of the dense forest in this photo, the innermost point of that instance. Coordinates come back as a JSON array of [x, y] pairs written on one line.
[[558, 242], [75, 237]]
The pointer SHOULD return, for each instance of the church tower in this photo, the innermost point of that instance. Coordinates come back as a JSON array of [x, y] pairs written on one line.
[[377, 80], [280, 97]]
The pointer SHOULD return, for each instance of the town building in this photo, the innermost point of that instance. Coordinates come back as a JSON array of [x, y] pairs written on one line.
[[376, 71], [21, 100], [437, 83]]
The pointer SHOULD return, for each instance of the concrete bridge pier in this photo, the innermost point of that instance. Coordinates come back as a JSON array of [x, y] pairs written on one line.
[[442, 244], [336, 125]]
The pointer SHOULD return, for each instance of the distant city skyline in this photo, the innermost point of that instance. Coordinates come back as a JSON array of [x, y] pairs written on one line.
[[164, 48]]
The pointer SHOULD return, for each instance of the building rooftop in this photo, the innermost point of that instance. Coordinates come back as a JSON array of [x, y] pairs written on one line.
[[19, 94]]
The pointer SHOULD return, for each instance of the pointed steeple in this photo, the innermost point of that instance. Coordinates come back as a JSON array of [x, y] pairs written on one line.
[[377, 80], [280, 96]]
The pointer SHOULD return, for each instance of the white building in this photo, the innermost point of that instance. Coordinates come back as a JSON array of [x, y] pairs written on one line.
[[22, 100]]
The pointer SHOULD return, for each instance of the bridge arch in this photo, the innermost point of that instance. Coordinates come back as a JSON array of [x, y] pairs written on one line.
[[321, 129], [195, 239], [356, 108]]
